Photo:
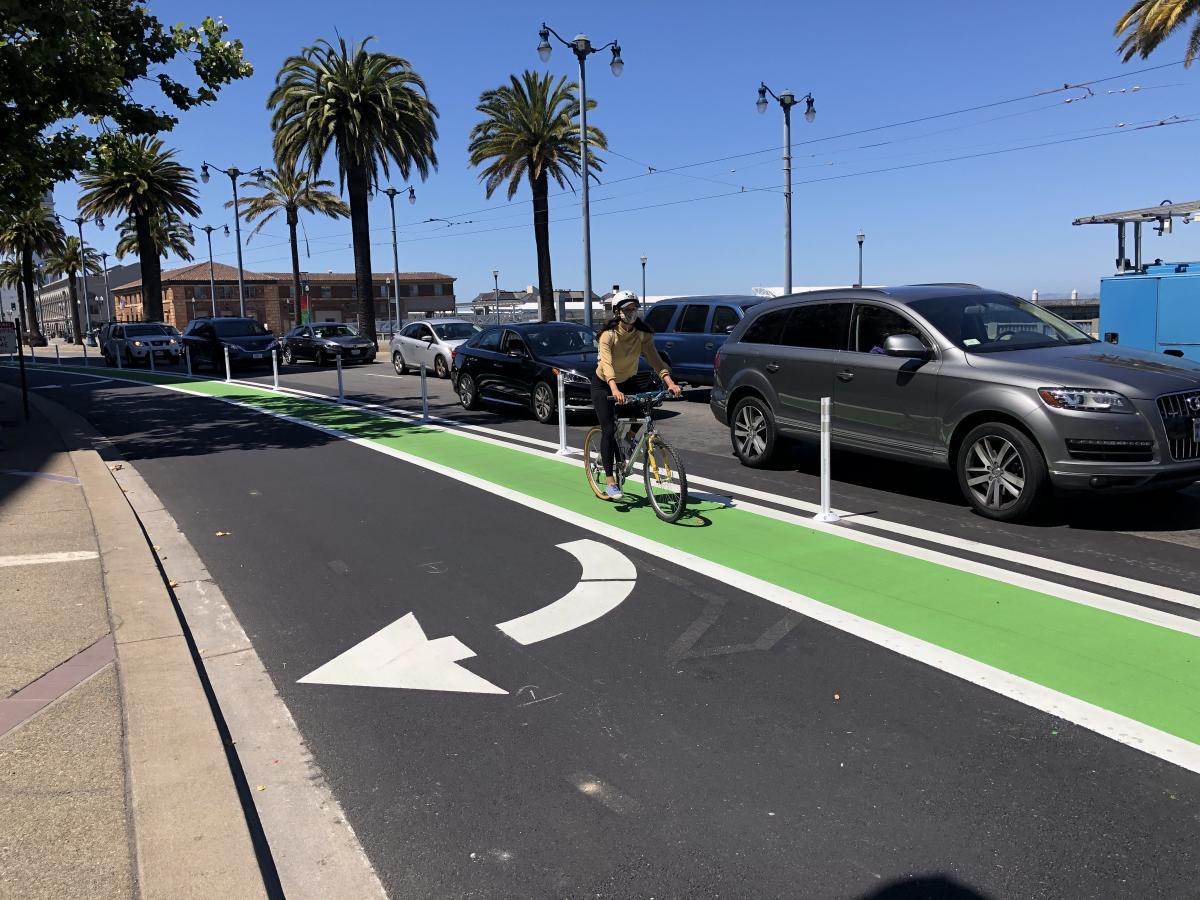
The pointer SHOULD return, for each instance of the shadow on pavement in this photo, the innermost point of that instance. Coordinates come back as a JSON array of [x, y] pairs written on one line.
[[929, 887]]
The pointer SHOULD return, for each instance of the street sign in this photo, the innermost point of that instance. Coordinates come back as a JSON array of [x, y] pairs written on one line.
[[8, 337]]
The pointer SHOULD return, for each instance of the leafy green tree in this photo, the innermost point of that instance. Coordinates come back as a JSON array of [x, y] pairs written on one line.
[[170, 234], [69, 64], [67, 260], [290, 191], [1148, 23], [531, 132], [140, 179], [33, 230], [373, 111]]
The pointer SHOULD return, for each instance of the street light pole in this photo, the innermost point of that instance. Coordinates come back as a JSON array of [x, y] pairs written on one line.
[[786, 100], [643, 280], [412, 198], [861, 237], [212, 282], [234, 174], [496, 280], [87, 315], [108, 307], [582, 47]]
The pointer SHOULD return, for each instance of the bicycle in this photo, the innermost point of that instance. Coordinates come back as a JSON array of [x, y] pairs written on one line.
[[662, 469]]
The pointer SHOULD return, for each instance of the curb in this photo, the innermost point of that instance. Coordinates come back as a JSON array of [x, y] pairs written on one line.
[[190, 834]]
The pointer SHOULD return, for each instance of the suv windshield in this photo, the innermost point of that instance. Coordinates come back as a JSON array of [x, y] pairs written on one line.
[[553, 341], [328, 331], [996, 322], [238, 328], [455, 331], [142, 330]]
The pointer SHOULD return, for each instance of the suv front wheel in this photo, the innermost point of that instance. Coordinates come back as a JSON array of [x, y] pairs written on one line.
[[753, 433], [1001, 471]]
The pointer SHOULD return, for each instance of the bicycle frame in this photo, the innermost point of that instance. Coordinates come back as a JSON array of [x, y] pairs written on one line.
[[639, 451]]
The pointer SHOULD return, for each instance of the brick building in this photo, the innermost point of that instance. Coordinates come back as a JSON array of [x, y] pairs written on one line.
[[332, 295]]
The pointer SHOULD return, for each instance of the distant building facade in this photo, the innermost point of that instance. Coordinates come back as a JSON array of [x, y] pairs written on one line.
[[54, 301]]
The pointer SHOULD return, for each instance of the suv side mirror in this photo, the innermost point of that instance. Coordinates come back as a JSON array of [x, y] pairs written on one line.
[[729, 329], [907, 346], [517, 350]]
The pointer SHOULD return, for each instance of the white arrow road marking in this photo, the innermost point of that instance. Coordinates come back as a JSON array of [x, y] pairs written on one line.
[[400, 656], [608, 578], [37, 559]]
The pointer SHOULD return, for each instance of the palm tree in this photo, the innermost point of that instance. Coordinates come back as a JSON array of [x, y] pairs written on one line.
[[139, 178], [1150, 22], [532, 131], [170, 234], [292, 191], [373, 110], [66, 260], [35, 230], [10, 274]]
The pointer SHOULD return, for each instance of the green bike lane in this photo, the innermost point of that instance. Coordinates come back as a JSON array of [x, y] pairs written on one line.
[[1143, 672]]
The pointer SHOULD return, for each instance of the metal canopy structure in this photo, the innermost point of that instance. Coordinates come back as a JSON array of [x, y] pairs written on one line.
[[1161, 215]]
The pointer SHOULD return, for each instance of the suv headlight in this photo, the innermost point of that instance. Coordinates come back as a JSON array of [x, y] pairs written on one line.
[[572, 377], [1085, 400], [137, 343]]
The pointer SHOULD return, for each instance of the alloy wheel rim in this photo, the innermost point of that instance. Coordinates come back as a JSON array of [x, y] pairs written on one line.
[[750, 431], [542, 401], [995, 473], [439, 368], [465, 390]]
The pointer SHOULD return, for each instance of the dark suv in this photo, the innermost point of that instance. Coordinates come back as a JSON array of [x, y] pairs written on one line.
[[249, 342], [1010, 396], [688, 332]]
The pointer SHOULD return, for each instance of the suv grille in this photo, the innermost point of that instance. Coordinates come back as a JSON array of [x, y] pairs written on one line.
[[1178, 411], [1111, 451]]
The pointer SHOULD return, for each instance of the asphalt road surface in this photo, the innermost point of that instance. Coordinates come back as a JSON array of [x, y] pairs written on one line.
[[694, 739]]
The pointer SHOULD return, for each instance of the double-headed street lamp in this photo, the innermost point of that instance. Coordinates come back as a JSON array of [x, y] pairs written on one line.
[[786, 100], [87, 315], [108, 307], [582, 47], [861, 237], [496, 296], [643, 280], [212, 282], [234, 174], [412, 198]]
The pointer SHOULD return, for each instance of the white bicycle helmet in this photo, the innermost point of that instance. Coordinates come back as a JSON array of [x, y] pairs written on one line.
[[622, 299]]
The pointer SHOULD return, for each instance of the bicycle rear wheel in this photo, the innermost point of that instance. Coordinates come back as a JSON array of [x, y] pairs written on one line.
[[666, 481], [593, 463]]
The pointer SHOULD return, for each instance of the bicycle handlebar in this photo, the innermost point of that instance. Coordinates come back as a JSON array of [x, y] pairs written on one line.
[[647, 398]]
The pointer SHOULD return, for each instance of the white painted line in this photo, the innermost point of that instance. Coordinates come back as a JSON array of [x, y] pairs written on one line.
[[383, 375], [41, 559], [401, 656]]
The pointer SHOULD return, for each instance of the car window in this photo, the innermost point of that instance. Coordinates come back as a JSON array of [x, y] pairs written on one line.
[[455, 331], [767, 328], [724, 318], [875, 324], [819, 326], [513, 341], [490, 340], [993, 323], [238, 328], [142, 330], [693, 319], [332, 331], [424, 333], [408, 331], [659, 317], [553, 340]]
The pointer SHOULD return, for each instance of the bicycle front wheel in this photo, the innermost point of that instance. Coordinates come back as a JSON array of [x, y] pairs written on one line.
[[666, 481], [593, 463]]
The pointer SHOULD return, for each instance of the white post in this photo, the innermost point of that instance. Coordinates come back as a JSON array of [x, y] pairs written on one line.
[[187, 354], [826, 514], [228, 371], [85, 356], [424, 396], [150, 353], [120, 365], [32, 354], [275, 367], [562, 417], [57, 355], [341, 389]]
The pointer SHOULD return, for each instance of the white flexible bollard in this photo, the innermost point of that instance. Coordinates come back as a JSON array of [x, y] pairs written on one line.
[[228, 370], [57, 355], [424, 396], [85, 356], [119, 364], [187, 355], [826, 514], [562, 416], [275, 366], [341, 388], [150, 353]]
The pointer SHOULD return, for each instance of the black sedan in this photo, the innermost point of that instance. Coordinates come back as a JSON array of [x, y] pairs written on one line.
[[248, 341], [517, 365], [324, 342]]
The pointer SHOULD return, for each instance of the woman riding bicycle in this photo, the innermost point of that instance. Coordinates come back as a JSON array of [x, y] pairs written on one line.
[[624, 340]]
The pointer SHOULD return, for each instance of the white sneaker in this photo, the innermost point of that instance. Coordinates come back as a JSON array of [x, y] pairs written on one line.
[[613, 492]]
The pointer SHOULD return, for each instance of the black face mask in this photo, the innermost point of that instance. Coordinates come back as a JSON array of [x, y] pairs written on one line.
[[630, 315]]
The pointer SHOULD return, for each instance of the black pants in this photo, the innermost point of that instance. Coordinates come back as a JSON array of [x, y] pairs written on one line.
[[607, 412]]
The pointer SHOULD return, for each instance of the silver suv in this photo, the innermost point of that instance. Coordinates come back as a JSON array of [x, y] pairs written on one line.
[[133, 342], [1010, 396]]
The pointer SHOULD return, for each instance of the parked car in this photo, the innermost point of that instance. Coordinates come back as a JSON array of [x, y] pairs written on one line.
[[1011, 397], [689, 331], [517, 365], [430, 342], [249, 341], [324, 342], [133, 342]]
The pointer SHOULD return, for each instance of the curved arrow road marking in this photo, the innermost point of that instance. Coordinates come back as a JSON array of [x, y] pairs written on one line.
[[401, 656], [608, 578]]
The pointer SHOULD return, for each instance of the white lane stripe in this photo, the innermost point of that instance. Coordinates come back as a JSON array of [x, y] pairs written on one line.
[[39, 559], [1087, 715]]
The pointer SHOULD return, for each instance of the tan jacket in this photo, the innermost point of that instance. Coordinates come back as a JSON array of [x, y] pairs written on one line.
[[620, 350]]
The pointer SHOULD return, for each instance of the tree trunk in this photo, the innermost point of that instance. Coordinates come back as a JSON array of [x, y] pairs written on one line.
[[76, 334], [30, 324], [357, 186], [152, 301], [292, 219], [541, 236]]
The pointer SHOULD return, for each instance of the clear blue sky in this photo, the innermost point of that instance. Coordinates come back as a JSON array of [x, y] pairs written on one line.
[[687, 95]]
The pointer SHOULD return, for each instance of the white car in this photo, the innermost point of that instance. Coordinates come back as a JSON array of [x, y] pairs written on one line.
[[431, 343]]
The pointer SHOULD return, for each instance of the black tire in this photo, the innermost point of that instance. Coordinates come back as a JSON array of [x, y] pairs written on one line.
[[753, 432], [593, 465], [441, 368], [399, 364], [468, 393], [319, 359], [1001, 472], [665, 479], [289, 356], [543, 402]]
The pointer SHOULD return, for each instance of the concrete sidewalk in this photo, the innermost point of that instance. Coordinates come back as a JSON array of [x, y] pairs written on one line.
[[113, 778]]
